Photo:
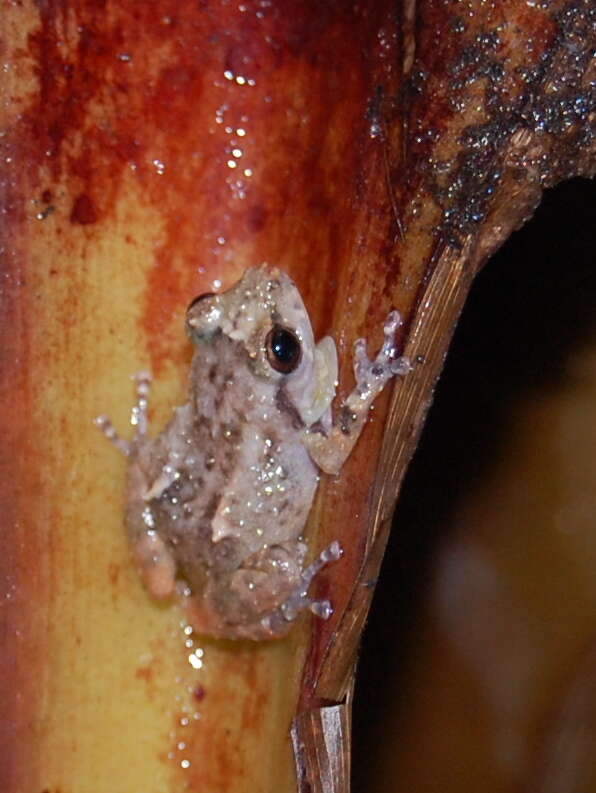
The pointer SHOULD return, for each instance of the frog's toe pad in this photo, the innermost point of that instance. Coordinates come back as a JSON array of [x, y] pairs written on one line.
[[277, 621]]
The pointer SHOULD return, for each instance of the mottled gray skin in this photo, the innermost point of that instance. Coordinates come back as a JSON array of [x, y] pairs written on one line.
[[221, 497], [243, 493]]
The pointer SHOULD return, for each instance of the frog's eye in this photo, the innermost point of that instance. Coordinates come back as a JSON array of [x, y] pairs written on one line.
[[203, 317], [194, 303], [283, 349]]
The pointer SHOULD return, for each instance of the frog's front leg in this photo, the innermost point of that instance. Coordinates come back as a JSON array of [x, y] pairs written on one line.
[[154, 560], [139, 417], [330, 451]]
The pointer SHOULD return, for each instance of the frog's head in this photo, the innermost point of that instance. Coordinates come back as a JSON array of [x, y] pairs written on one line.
[[265, 314]]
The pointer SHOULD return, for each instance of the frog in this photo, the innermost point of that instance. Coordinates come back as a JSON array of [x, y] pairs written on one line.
[[217, 503]]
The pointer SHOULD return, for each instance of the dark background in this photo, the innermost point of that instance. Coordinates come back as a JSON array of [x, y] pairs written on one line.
[[533, 302]]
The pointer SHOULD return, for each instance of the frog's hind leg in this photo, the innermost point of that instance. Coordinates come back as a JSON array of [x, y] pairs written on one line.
[[138, 418], [278, 621]]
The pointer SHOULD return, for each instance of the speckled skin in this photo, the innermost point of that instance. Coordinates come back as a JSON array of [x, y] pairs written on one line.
[[244, 488], [222, 495]]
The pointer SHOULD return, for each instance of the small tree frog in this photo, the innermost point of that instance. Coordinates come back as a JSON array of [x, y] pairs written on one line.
[[221, 497]]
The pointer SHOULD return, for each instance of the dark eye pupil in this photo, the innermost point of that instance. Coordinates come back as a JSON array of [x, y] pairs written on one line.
[[283, 350], [284, 346]]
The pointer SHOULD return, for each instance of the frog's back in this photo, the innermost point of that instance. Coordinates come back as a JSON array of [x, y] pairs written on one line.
[[241, 477]]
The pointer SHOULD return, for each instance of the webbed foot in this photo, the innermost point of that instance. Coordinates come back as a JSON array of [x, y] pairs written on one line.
[[277, 622]]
